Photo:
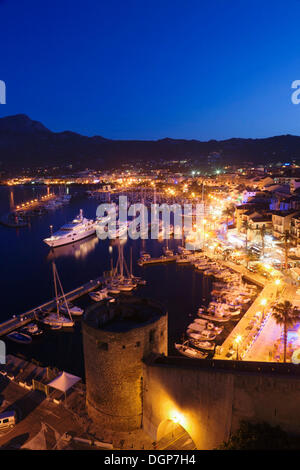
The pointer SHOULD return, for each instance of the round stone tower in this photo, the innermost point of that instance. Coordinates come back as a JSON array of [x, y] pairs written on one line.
[[116, 338]]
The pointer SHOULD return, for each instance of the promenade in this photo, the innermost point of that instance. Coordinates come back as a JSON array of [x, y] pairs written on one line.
[[254, 320], [249, 326]]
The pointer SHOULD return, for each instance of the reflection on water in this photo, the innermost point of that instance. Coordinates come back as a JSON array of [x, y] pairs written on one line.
[[78, 250], [26, 269]]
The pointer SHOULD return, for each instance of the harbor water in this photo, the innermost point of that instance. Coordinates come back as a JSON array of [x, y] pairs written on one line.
[[26, 275]]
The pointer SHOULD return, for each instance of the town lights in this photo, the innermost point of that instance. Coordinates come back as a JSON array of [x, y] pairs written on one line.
[[237, 341]]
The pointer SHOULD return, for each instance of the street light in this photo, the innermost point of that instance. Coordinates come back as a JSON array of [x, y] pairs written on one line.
[[237, 341]]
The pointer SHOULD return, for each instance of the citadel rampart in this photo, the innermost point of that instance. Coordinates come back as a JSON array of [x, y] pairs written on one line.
[[209, 398]]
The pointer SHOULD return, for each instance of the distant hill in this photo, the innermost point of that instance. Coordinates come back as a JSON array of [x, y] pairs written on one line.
[[28, 143]]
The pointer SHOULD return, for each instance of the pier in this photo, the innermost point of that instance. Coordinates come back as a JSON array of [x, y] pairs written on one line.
[[18, 321]]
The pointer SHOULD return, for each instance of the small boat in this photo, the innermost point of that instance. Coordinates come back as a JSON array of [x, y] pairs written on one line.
[[195, 327], [54, 319], [219, 319], [32, 329], [201, 322], [207, 345], [190, 352], [139, 280], [21, 338], [203, 336], [99, 295], [216, 329], [76, 311], [112, 289], [126, 286]]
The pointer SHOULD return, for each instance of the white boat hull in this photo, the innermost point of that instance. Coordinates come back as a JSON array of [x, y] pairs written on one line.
[[74, 237]]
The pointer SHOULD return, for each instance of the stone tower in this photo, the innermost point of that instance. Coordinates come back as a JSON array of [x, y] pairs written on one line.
[[116, 338]]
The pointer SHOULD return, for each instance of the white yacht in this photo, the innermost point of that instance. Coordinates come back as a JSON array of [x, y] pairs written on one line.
[[76, 230]]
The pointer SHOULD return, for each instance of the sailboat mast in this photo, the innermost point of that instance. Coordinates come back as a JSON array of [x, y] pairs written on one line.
[[55, 287], [63, 294]]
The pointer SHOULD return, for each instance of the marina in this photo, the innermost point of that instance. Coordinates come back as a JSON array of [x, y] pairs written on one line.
[[107, 288]]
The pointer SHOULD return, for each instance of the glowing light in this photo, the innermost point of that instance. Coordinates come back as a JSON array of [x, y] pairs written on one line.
[[238, 339], [178, 418], [263, 302], [277, 282]]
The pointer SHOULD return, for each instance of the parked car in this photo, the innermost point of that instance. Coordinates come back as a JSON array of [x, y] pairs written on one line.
[[8, 420]]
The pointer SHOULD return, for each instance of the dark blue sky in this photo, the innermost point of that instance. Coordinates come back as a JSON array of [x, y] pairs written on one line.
[[150, 69]]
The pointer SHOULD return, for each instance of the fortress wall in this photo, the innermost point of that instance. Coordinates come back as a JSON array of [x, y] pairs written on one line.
[[210, 403]]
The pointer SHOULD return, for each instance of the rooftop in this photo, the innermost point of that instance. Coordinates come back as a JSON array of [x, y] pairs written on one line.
[[126, 313]]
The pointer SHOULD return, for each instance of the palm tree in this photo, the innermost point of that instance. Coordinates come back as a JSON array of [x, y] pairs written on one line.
[[285, 315], [286, 239], [229, 213], [246, 226]]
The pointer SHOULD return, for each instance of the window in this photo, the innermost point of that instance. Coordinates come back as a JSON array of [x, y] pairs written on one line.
[[137, 344], [5, 420]]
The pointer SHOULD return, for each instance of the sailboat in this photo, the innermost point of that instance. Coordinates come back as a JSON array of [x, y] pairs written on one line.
[[118, 281], [56, 319]]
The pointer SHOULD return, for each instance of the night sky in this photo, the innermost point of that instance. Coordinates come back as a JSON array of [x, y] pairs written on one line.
[[151, 69]]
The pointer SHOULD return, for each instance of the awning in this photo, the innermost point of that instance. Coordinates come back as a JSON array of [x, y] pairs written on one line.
[[64, 381]]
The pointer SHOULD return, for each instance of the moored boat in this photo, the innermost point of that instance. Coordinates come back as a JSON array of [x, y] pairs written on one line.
[[73, 309], [190, 352], [18, 337], [55, 319]]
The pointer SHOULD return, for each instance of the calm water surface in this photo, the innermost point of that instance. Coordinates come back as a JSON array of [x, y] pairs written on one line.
[[26, 276]]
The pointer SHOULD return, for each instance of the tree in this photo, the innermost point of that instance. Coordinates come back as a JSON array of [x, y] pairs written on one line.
[[246, 226], [228, 212], [285, 315], [258, 436]]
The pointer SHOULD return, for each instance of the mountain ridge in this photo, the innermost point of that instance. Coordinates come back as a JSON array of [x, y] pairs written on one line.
[[28, 143]]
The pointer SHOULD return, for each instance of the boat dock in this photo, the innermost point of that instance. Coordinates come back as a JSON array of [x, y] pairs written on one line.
[[20, 320]]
